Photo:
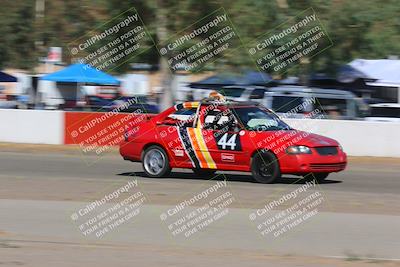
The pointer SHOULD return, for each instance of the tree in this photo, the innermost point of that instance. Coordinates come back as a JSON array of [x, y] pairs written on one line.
[[17, 31], [358, 28]]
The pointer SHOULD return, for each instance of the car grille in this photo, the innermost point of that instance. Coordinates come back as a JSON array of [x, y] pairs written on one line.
[[327, 150], [326, 166]]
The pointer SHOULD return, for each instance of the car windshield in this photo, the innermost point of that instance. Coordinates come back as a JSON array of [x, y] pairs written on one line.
[[259, 119], [282, 104], [390, 112], [134, 99]]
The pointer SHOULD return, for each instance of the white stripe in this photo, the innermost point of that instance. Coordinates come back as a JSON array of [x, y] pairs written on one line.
[[194, 151], [184, 147]]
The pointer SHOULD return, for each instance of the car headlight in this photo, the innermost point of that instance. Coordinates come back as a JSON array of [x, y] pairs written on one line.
[[298, 150]]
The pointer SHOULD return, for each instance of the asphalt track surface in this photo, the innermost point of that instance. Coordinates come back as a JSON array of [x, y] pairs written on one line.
[[356, 225]]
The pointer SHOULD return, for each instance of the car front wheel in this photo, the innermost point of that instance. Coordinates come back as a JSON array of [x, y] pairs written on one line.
[[265, 168], [155, 162]]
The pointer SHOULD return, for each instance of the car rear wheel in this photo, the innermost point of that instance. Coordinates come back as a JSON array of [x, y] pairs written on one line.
[[265, 168], [319, 176], [155, 162], [204, 173]]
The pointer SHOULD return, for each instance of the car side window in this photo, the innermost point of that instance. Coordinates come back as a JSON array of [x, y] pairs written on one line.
[[332, 108], [183, 117], [257, 94], [220, 120], [282, 104]]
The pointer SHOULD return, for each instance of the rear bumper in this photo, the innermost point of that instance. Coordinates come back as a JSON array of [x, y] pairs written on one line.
[[131, 151], [306, 163]]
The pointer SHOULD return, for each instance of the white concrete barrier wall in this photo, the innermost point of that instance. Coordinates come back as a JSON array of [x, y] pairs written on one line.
[[32, 126], [358, 138]]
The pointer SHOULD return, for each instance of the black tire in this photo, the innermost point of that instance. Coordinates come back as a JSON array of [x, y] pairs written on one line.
[[318, 176], [204, 173], [265, 168], [155, 162]]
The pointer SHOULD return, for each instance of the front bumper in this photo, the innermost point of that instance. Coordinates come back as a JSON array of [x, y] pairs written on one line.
[[306, 163]]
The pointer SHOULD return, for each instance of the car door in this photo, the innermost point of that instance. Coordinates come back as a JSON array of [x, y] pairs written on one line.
[[172, 132], [222, 138]]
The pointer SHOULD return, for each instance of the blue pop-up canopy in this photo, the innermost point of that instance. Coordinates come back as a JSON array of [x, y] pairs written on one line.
[[81, 73], [4, 77]]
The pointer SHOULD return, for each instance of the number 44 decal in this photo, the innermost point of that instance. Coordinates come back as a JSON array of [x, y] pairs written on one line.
[[229, 142]]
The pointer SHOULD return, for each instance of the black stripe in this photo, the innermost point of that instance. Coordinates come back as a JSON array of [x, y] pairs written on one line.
[[179, 106], [188, 146]]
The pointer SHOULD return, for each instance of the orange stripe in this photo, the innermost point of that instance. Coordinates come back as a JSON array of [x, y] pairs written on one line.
[[204, 149], [190, 104], [196, 147]]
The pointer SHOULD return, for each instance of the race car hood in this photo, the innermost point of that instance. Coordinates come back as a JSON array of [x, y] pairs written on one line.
[[295, 137], [315, 140]]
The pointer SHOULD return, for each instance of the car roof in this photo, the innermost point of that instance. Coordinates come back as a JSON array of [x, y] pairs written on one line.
[[230, 103], [385, 105], [245, 87], [310, 90]]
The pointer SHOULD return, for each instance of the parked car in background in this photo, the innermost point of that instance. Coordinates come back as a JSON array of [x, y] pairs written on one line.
[[136, 103], [130, 104], [8, 102], [301, 101], [97, 103], [387, 112]]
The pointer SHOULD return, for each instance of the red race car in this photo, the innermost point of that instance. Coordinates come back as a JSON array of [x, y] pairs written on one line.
[[216, 135]]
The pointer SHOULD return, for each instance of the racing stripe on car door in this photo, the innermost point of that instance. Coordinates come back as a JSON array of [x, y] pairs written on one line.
[[201, 149], [204, 149], [196, 147], [187, 145]]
